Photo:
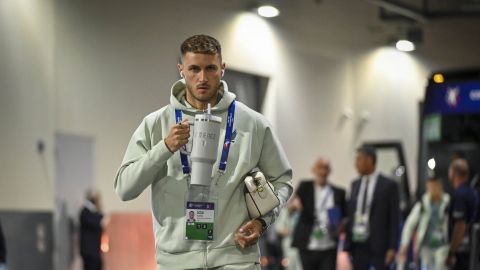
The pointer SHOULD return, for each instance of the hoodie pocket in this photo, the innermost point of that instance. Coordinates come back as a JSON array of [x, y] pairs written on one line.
[[232, 213], [168, 199]]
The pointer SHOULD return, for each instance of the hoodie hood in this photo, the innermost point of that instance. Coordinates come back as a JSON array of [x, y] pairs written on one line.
[[177, 98], [445, 200]]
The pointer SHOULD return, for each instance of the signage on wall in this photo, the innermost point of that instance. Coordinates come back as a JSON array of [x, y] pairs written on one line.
[[453, 98], [432, 127]]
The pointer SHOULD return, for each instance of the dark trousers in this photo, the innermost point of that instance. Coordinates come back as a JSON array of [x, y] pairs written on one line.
[[362, 259], [318, 260], [462, 262], [92, 262]]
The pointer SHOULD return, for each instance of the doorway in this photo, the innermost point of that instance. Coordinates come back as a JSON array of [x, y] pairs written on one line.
[[75, 173]]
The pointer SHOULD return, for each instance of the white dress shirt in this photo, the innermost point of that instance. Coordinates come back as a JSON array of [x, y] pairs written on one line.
[[371, 188], [323, 201]]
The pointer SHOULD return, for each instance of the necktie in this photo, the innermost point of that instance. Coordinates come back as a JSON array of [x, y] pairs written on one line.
[[365, 196]]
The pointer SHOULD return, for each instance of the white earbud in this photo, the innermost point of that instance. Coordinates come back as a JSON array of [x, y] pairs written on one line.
[[223, 72], [181, 75]]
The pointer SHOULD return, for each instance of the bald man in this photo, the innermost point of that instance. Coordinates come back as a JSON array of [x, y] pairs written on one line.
[[322, 209], [462, 213]]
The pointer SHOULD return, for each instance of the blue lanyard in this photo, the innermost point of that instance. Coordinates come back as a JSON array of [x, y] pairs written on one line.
[[323, 203], [226, 144], [325, 199]]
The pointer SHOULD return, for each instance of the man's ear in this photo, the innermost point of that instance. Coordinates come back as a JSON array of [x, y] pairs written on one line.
[[223, 68], [180, 70]]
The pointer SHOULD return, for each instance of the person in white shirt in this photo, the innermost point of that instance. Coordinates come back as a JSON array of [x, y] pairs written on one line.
[[322, 209]]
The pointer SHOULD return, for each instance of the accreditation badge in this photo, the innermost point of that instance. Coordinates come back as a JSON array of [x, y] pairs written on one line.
[[437, 238], [199, 221], [319, 232], [360, 229]]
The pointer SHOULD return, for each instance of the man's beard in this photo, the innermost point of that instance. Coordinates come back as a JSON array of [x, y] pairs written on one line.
[[209, 97]]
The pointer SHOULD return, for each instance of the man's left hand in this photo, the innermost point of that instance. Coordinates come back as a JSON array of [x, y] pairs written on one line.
[[389, 257], [249, 233]]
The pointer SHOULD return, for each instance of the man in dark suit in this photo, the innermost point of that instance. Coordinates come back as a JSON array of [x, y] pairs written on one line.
[[92, 223], [322, 209], [373, 215]]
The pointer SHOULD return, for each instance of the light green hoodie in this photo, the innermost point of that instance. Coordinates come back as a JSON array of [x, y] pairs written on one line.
[[419, 219], [148, 162]]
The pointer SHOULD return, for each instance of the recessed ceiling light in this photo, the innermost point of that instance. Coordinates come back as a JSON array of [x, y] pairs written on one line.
[[268, 11], [405, 45], [431, 163]]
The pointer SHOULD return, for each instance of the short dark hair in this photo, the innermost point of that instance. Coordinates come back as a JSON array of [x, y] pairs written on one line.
[[459, 167], [201, 44], [368, 151]]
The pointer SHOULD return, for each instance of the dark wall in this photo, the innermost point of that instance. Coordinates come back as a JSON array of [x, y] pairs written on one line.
[[29, 239], [249, 88]]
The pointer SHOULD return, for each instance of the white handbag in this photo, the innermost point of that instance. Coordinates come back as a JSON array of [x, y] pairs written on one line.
[[260, 195]]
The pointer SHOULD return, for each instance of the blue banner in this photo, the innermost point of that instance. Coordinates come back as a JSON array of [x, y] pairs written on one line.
[[453, 98]]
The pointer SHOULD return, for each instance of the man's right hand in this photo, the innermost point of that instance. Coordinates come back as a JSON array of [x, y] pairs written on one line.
[[402, 254], [390, 257], [178, 136]]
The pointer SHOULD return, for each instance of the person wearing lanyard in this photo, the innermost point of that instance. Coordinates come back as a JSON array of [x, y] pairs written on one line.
[[373, 215], [322, 209], [153, 159], [429, 219], [462, 214]]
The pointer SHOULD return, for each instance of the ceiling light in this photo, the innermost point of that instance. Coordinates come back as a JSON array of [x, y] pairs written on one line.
[[405, 45], [438, 78], [431, 163], [268, 11]]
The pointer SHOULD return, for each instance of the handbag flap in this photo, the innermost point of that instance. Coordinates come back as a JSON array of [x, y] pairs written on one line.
[[250, 184]]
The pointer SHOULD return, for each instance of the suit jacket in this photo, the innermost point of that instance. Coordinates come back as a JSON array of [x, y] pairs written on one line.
[[90, 232], [306, 193], [384, 216]]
